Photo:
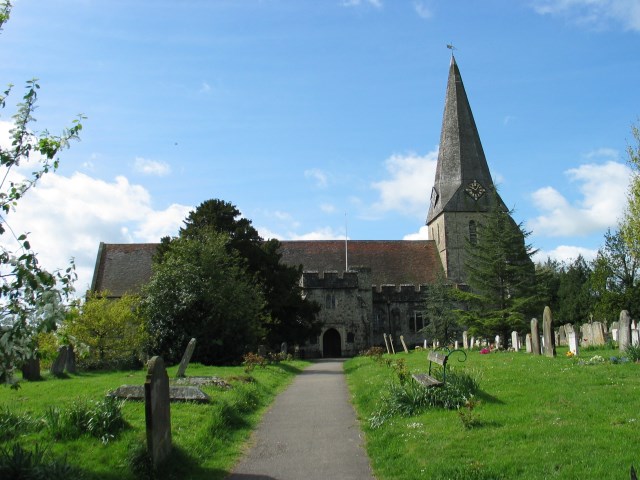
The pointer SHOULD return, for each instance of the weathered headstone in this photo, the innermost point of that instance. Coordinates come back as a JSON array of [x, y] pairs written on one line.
[[262, 351], [597, 333], [386, 342], [535, 337], [404, 345], [515, 341], [70, 362], [498, 341], [393, 348], [547, 332], [574, 342], [634, 325], [527, 342], [624, 333], [186, 358], [157, 411], [635, 337], [455, 345], [57, 367], [473, 342], [562, 335], [284, 348], [614, 334], [465, 340], [31, 369], [425, 344]]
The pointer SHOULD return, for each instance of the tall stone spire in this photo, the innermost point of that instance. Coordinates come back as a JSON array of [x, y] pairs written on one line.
[[463, 181]]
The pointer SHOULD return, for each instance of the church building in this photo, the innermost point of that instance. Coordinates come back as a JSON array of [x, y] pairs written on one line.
[[369, 287]]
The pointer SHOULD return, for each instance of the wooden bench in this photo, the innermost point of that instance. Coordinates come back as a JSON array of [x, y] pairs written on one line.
[[441, 359]]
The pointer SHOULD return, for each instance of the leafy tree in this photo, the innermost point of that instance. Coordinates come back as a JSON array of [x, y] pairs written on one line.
[[203, 290], [441, 312], [31, 298], [111, 331], [289, 317], [614, 279], [548, 283], [501, 275], [630, 227], [574, 296]]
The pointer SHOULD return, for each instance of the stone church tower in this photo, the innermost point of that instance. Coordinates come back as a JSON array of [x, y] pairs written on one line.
[[463, 188]]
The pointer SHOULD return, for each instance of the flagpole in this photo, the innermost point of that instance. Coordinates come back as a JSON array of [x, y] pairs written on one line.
[[346, 250]]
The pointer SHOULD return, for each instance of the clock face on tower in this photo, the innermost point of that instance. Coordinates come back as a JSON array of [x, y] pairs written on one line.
[[475, 190]]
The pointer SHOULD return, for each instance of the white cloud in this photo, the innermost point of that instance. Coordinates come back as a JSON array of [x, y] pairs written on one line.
[[321, 178], [422, 234], [323, 233], [151, 167], [422, 10], [603, 188], [327, 208], [565, 253], [357, 3], [69, 216], [593, 13], [408, 189]]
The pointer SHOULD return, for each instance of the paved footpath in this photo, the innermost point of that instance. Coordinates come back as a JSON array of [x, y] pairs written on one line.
[[309, 433]]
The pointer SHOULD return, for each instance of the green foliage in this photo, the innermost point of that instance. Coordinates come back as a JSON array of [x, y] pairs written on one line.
[[574, 297], [633, 352], [13, 424], [440, 312], [289, 317], [112, 332], [501, 276], [252, 360], [31, 298], [102, 419], [17, 462], [630, 227], [201, 290]]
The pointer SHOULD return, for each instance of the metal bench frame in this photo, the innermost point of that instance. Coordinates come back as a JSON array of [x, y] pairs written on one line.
[[441, 359]]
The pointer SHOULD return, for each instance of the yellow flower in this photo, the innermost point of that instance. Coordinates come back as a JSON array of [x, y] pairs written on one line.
[[569, 354]]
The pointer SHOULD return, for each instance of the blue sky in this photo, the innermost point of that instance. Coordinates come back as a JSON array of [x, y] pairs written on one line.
[[302, 111]]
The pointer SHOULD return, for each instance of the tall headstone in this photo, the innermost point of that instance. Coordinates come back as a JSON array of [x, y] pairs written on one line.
[[562, 335], [527, 341], [455, 345], [284, 348], [425, 344], [186, 358], [548, 333], [404, 345], [498, 342], [57, 367], [624, 332], [31, 369], [614, 334], [574, 342], [515, 341], [465, 340], [635, 337], [157, 411], [598, 333], [473, 342], [70, 362], [386, 342], [535, 337]]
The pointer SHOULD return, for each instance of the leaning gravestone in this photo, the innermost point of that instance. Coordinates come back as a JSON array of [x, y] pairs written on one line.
[[465, 340], [527, 342], [70, 363], [404, 345], [393, 349], [157, 411], [624, 332], [535, 337], [386, 342], [31, 369], [57, 367], [186, 358], [547, 332]]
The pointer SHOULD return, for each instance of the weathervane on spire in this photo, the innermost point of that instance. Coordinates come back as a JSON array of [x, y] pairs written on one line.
[[451, 47]]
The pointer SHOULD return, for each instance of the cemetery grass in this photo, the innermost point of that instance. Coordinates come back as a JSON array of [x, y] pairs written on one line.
[[536, 418], [208, 439]]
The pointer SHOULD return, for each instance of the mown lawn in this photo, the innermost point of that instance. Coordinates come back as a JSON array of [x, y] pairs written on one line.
[[537, 418], [208, 439]]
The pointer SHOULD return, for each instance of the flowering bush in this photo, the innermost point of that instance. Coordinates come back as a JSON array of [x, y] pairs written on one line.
[[484, 351]]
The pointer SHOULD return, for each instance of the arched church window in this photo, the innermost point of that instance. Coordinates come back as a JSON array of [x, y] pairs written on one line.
[[473, 233]]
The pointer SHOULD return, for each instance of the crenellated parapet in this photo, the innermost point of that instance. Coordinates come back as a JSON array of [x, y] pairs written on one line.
[[398, 293], [329, 280]]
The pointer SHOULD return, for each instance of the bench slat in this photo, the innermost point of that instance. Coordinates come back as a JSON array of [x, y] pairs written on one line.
[[438, 358], [426, 380]]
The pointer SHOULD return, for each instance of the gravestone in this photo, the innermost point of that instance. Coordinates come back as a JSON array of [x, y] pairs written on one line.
[[573, 343], [614, 334], [562, 335], [634, 326], [624, 333], [515, 341], [473, 342], [465, 340], [57, 367], [598, 333], [404, 345], [31, 369], [498, 342], [284, 348], [386, 342], [527, 342], [157, 411], [393, 349], [455, 345], [547, 332], [635, 337], [425, 344], [535, 337], [262, 351], [70, 362], [186, 358]]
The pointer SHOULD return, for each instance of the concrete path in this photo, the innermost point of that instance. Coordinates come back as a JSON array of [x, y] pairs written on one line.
[[309, 433]]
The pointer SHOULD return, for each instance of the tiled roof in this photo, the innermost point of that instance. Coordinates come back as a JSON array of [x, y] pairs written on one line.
[[122, 268]]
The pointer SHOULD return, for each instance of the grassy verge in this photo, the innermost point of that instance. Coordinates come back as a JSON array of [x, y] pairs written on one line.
[[207, 439], [535, 418]]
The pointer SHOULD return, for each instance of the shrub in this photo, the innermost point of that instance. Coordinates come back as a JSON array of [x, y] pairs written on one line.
[[373, 352], [102, 419], [19, 463], [633, 353], [13, 424], [251, 360]]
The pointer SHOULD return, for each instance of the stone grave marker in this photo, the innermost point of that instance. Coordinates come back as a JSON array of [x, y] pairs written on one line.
[[535, 337], [455, 345], [614, 334], [262, 351], [547, 332], [515, 341], [498, 342], [574, 342], [404, 345], [624, 333], [465, 340], [473, 342], [527, 342], [57, 367], [186, 358], [386, 342], [425, 344], [284, 348], [561, 336], [157, 411], [598, 333], [635, 337], [393, 349], [31, 369]]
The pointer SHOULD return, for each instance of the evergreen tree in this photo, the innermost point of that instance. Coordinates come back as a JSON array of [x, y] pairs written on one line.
[[501, 275], [440, 312], [574, 296]]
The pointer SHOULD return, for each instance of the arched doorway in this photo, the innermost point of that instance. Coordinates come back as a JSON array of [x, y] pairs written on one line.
[[331, 344]]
